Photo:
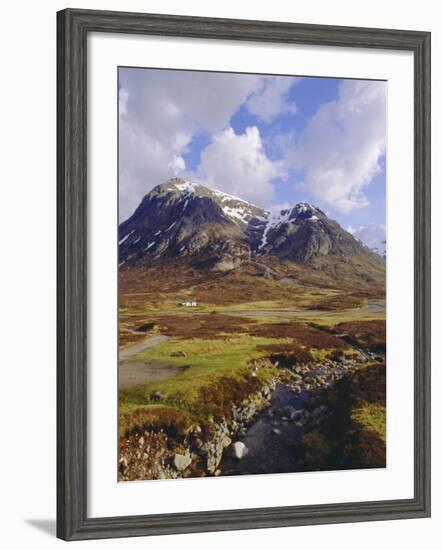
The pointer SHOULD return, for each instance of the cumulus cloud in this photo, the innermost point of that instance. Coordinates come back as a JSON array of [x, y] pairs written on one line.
[[372, 235], [237, 164], [341, 148], [272, 98], [336, 155], [178, 165], [160, 111]]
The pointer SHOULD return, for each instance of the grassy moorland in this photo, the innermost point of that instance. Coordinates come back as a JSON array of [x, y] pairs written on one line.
[[210, 364], [246, 332]]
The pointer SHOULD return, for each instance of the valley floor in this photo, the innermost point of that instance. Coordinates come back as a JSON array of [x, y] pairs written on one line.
[[295, 382]]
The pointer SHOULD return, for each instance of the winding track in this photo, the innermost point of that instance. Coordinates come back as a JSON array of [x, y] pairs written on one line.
[[134, 372], [129, 351]]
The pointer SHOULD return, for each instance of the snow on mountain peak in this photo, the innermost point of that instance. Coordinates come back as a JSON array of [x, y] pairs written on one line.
[[240, 210], [235, 208], [187, 186], [218, 231], [303, 208], [301, 211]]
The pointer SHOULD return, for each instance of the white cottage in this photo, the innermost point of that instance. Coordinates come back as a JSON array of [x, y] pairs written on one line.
[[189, 303]]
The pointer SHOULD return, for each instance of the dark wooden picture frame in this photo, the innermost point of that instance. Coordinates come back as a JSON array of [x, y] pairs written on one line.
[[73, 27]]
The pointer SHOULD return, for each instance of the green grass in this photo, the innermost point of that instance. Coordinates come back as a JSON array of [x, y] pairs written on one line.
[[372, 416], [218, 373], [208, 361]]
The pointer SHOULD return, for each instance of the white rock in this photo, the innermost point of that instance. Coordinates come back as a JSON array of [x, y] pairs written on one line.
[[181, 461], [239, 450]]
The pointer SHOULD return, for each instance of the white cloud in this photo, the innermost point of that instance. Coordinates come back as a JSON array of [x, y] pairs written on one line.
[[237, 164], [122, 102], [341, 148], [178, 165], [160, 112], [373, 235], [272, 98]]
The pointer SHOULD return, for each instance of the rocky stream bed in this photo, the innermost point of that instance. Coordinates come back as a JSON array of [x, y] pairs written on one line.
[[264, 434]]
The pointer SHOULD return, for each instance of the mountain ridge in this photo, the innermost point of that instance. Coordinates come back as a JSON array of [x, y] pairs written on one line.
[[213, 230]]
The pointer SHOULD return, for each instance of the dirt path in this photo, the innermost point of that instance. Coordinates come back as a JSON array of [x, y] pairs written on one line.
[[134, 372], [140, 373], [129, 351], [365, 310]]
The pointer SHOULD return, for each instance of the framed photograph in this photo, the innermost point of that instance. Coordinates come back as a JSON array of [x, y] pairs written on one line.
[[243, 274]]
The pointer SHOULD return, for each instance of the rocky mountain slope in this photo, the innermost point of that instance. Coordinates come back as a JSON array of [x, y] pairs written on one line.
[[208, 229]]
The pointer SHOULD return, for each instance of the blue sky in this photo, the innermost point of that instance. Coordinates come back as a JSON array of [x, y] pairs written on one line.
[[272, 140]]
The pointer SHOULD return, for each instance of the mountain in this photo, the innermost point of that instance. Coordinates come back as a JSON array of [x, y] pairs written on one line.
[[209, 229], [189, 220], [303, 233]]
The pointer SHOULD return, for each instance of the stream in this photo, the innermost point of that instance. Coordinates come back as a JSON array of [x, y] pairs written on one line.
[[273, 440]]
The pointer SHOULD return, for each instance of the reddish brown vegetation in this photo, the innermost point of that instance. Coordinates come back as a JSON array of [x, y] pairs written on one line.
[[308, 336], [139, 286], [165, 419], [365, 450], [211, 326], [288, 355], [369, 385], [368, 334], [343, 301], [216, 398], [340, 442], [126, 338]]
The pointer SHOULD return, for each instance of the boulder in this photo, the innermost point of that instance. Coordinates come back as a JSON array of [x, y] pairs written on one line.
[[239, 450], [181, 461]]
